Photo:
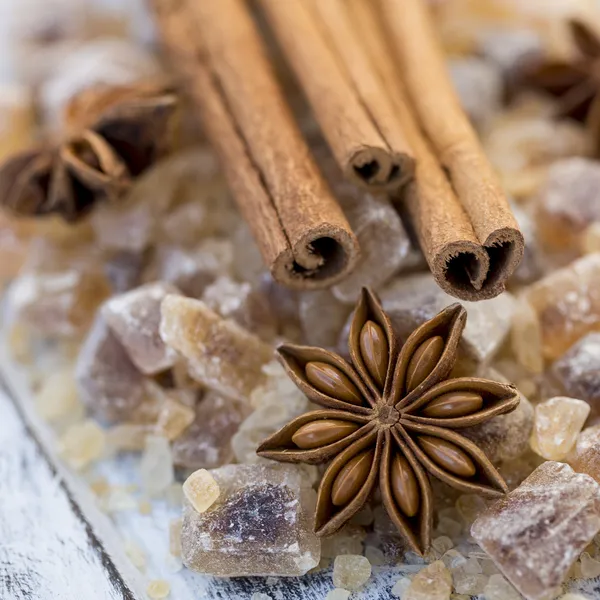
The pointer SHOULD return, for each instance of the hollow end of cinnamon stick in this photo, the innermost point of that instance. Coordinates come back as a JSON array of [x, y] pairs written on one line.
[[378, 169], [320, 258], [473, 272]]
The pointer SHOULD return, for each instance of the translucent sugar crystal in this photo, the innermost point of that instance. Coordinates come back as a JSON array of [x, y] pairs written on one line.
[[17, 118], [156, 465], [351, 571], [248, 264], [532, 265], [175, 537], [192, 269], [82, 444], [590, 567], [124, 270], [14, 245], [242, 303], [384, 243], [207, 442], [577, 373], [410, 301], [221, 354], [557, 423], [567, 303], [284, 304], [569, 202], [134, 317], [469, 584], [526, 337], [536, 532], [585, 456], [260, 525], [434, 582], [57, 400], [134, 223], [348, 540], [479, 86], [322, 317], [110, 385], [61, 303], [135, 554], [497, 588], [158, 589], [337, 594], [276, 401], [201, 490], [470, 506], [505, 437], [400, 587], [522, 145], [510, 48], [169, 411], [374, 555]]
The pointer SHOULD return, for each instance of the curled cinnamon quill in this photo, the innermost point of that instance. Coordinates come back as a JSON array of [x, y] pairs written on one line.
[[114, 133]]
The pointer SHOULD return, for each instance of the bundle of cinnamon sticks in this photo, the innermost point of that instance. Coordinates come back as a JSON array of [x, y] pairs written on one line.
[[375, 78]]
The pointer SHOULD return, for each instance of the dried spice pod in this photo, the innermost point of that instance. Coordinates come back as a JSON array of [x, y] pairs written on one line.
[[114, 134], [389, 416], [574, 83]]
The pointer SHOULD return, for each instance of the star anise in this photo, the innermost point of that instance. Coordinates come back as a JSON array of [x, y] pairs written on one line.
[[576, 84], [115, 134], [390, 416]]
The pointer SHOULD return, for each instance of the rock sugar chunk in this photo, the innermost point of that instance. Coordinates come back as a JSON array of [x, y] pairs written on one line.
[[567, 303], [536, 533], [585, 456], [577, 373], [557, 423], [201, 490], [505, 437], [322, 317], [434, 582], [410, 301], [110, 384], [384, 243], [60, 303], [248, 306], [134, 317], [261, 524], [206, 444], [351, 571], [568, 203], [221, 355]]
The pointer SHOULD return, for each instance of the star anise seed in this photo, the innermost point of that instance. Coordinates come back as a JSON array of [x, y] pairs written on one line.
[[390, 416], [115, 134]]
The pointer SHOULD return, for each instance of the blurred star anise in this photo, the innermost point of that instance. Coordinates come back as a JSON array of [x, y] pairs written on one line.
[[576, 84], [114, 135], [390, 416]]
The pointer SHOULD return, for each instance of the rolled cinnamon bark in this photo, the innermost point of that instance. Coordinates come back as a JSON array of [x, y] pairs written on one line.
[[300, 229], [422, 67], [353, 112]]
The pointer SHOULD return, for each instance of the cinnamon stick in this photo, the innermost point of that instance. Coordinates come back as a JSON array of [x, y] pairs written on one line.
[[353, 112], [423, 70], [300, 229]]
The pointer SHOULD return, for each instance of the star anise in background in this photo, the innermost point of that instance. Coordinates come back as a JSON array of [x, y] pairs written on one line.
[[575, 84], [390, 416], [114, 135]]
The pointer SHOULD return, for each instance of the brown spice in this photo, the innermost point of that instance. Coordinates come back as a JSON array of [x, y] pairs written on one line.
[[576, 83], [114, 134], [300, 229], [472, 251], [390, 416], [353, 111]]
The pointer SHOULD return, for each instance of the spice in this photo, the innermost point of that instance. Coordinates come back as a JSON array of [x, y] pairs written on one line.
[[575, 84], [473, 245], [301, 231], [390, 415], [348, 100], [115, 133]]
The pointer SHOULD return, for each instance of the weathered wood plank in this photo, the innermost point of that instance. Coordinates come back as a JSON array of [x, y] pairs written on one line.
[[48, 549]]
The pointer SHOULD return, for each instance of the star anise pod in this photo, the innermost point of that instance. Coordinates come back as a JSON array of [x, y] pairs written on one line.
[[576, 84], [114, 135], [390, 416]]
